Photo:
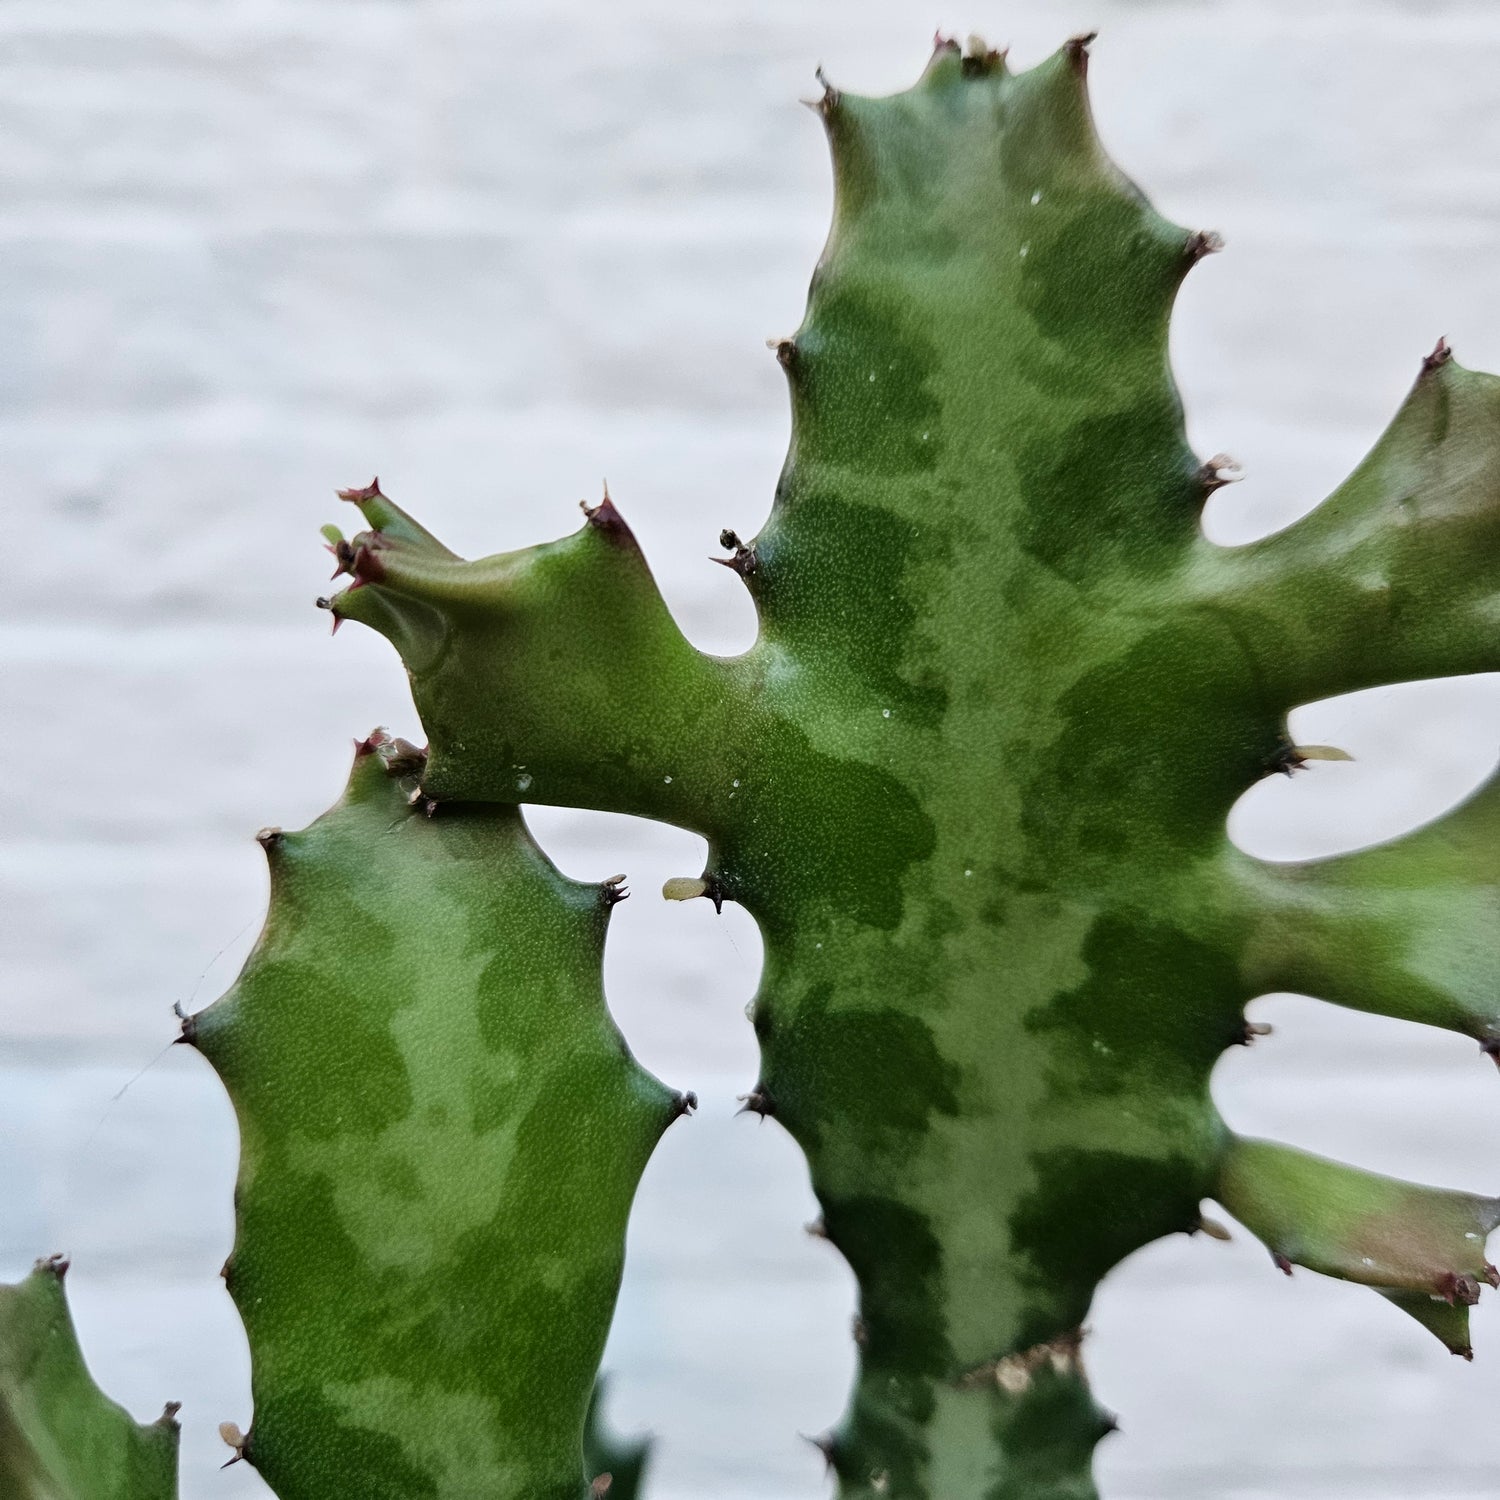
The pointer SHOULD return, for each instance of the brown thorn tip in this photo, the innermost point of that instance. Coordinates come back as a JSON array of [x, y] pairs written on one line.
[[744, 562], [370, 492], [1281, 1263], [1218, 471], [828, 101], [818, 1230], [1286, 760], [860, 1332], [1204, 242], [188, 1031], [267, 837], [1252, 1029], [168, 1417], [757, 1102], [825, 1444], [1212, 1228], [600, 1486], [605, 516], [1440, 355], [1077, 47], [1458, 1290], [54, 1265], [786, 351], [614, 890], [684, 1104]]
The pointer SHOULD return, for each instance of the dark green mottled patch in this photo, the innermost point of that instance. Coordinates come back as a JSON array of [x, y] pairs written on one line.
[[317, 1452], [829, 562], [1128, 482], [871, 1076], [1159, 742], [898, 1261], [1090, 1209], [1048, 1435], [1157, 1009], [862, 365]]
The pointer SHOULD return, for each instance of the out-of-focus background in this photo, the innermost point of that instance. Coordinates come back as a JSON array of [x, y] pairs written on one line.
[[256, 249]]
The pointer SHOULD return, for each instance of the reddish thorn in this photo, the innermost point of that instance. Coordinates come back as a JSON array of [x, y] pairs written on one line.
[[370, 492], [1076, 49], [1458, 1289], [343, 554], [365, 565], [606, 518], [1440, 355], [1281, 1263], [55, 1265]]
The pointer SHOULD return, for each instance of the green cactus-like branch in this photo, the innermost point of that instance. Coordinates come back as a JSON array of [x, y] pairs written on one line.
[[1396, 576], [442, 1132], [1409, 929], [972, 779], [1422, 1247], [61, 1437]]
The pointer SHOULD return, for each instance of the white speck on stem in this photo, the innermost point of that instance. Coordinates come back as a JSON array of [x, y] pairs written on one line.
[[523, 782], [967, 873], [885, 713], [667, 779], [1036, 197], [1025, 249]]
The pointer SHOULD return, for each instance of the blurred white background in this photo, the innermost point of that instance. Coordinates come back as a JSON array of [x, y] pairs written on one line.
[[256, 250]]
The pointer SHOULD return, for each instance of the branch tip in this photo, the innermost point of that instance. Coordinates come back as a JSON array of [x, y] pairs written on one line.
[[371, 491]]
